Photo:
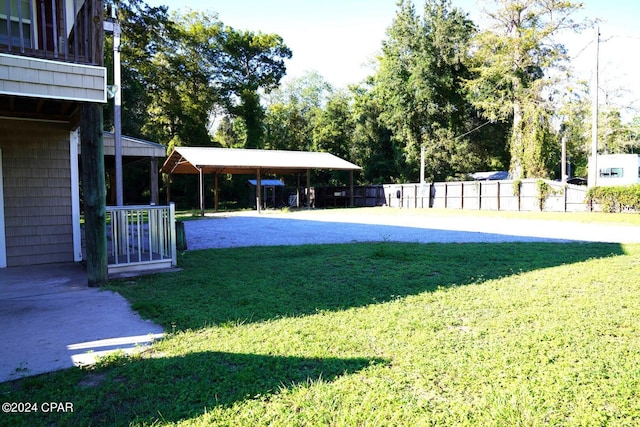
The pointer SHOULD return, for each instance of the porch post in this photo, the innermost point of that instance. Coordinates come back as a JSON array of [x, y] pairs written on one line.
[[153, 181], [3, 241], [94, 191]]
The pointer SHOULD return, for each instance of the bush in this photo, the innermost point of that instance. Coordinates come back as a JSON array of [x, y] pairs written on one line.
[[616, 199]]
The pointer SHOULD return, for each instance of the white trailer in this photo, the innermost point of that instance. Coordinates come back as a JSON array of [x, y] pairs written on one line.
[[614, 169]]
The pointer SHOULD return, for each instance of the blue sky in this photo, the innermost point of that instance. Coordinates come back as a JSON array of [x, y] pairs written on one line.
[[337, 38]]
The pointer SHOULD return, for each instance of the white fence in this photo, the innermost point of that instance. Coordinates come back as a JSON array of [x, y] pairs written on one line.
[[508, 195], [141, 238]]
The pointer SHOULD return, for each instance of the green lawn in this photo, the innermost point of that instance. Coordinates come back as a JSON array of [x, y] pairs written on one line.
[[372, 334]]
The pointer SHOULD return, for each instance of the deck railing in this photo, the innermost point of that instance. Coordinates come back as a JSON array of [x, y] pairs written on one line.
[[141, 237], [49, 29]]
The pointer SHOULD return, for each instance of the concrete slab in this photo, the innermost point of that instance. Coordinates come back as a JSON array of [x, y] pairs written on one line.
[[51, 320]]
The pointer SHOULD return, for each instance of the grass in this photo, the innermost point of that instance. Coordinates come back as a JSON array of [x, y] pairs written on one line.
[[372, 334]]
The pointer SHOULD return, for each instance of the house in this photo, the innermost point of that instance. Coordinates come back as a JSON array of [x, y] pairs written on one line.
[[614, 169], [52, 83]]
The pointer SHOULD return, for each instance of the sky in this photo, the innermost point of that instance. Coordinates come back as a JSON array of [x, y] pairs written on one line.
[[340, 38]]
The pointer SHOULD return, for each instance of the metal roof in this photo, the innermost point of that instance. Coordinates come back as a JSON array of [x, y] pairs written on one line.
[[133, 146], [189, 160]]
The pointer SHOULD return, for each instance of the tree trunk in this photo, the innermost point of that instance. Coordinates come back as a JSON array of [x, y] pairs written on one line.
[[517, 142], [94, 194]]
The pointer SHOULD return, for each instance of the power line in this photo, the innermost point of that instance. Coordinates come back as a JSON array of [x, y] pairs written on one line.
[[472, 130]]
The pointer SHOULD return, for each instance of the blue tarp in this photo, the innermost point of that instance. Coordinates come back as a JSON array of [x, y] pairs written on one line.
[[267, 182]]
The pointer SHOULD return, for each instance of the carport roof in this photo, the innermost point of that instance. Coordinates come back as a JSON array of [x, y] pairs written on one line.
[[190, 160]]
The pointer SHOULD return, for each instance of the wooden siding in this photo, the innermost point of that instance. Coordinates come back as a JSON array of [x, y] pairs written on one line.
[[37, 192], [40, 78]]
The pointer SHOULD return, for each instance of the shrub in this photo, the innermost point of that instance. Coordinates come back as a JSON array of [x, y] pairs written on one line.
[[616, 199]]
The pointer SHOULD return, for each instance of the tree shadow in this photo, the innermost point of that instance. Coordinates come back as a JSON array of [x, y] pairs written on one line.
[[172, 389], [240, 285]]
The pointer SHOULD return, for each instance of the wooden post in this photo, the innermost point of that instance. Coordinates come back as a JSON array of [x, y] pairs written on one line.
[[446, 194], [298, 191], [351, 188], [169, 188], [498, 197], [153, 181], [308, 189], [94, 194], [201, 189], [258, 191], [479, 195], [215, 196], [96, 36]]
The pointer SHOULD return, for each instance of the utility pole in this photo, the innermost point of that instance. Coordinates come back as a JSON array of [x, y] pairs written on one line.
[[117, 104], [112, 26], [422, 165], [563, 167], [593, 167]]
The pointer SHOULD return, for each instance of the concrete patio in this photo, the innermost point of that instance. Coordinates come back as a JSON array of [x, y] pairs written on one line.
[[51, 320]]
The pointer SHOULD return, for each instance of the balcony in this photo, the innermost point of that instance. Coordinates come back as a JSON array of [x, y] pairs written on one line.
[[50, 57]]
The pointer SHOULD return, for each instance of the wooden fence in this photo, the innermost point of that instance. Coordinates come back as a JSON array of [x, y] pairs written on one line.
[[363, 196]]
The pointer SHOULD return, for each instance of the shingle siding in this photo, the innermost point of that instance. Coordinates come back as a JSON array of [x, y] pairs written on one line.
[[50, 79], [37, 192]]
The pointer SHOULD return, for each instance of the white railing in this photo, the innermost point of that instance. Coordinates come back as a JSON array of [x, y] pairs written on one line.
[[141, 237]]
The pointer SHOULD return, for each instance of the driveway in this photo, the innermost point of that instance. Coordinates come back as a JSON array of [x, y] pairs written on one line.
[[364, 225]]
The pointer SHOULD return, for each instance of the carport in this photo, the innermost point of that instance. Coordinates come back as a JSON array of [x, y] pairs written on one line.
[[216, 161]]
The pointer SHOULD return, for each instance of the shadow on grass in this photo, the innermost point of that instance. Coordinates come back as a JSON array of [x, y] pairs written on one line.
[[171, 389], [240, 285]]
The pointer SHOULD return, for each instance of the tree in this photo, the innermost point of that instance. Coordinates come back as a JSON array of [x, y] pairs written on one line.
[[420, 80], [512, 60], [249, 62], [291, 112], [182, 94], [145, 30], [372, 145], [333, 127]]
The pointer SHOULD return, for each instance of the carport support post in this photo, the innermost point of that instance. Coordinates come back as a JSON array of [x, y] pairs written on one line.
[[215, 196], [201, 188], [169, 188], [308, 189], [258, 191], [351, 188], [298, 192]]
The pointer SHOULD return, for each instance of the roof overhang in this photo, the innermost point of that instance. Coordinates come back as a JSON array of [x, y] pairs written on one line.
[[210, 160]]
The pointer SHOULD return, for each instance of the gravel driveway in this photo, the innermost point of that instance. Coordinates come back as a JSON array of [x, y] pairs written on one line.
[[317, 227]]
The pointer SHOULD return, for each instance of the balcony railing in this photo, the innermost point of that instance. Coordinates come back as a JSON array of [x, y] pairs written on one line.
[[140, 237], [50, 29]]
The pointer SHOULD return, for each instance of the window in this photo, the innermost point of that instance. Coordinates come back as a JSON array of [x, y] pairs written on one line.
[[611, 172], [19, 18]]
